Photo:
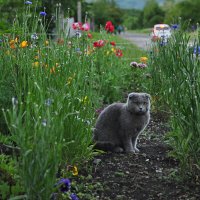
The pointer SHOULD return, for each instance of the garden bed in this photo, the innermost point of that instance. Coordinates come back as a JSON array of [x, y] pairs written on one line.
[[151, 174]]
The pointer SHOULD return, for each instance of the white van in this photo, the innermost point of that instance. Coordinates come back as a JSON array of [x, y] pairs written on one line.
[[161, 31]]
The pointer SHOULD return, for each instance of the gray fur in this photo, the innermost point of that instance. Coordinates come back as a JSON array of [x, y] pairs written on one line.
[[119, 125]]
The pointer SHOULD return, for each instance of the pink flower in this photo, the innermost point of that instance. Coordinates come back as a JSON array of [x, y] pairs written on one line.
[[86, 27], [99, 43], [109, 27], [142, 65], [77, 26], [134, 64], [138, 65]]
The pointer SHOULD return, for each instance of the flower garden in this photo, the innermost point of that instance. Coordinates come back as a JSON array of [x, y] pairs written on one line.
[[52, 91]]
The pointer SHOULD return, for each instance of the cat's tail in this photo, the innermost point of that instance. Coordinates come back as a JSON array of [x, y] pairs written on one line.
[[107, 146], [104, 145]]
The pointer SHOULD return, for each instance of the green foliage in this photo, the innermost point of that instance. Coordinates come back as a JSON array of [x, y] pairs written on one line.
[[132, 19], [176, 77], [153, 14], [10, 183], [104, 10], [50, 90]]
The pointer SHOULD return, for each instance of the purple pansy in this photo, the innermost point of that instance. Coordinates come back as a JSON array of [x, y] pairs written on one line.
[[74, 197], [64, 184]]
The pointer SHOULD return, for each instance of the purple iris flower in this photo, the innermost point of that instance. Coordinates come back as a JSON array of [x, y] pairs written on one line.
[[74, 197], [28, 2], [42, 13], [64, 184]]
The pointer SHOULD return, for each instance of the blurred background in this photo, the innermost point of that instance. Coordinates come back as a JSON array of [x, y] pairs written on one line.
[[132, 14]]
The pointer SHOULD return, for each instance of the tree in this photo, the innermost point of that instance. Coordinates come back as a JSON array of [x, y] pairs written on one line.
[[132, 19], [187, 10], [104, 10], [153, 14]]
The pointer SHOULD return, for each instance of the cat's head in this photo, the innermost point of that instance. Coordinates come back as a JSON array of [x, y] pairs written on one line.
[[138, 103]]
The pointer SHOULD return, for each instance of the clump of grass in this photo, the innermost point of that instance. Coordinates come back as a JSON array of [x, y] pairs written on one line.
[[176, 77], [56, 87]]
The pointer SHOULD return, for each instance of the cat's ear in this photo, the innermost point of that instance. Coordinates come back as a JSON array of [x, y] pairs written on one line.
[[147, 96], [132, 95]]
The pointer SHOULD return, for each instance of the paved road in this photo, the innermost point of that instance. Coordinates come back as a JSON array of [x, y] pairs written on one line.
[[141, 40]]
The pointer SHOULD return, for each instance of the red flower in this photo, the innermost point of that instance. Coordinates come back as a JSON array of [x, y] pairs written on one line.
[[99, 43], [89, 35], [109, 27], [113, 43], [77, 26], [119, 53]]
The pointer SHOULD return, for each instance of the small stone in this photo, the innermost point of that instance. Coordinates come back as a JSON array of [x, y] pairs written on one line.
[[97, 161]]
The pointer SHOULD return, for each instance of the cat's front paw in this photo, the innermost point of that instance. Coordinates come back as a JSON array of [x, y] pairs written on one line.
[[136, 150]]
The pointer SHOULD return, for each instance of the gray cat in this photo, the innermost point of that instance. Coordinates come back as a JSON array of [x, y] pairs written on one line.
[[119, 125]]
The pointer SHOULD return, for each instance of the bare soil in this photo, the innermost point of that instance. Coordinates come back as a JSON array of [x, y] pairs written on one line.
[[147, 175]]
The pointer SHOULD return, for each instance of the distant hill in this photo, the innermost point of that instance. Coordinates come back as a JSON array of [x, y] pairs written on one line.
[[138, 4], [128, 4]]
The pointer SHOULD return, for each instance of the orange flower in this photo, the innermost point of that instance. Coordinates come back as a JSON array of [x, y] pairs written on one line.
[[12, 44], [24, 44], [53, 70]]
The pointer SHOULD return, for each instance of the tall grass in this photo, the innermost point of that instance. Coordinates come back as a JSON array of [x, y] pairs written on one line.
[[54, 88], [176, 82]]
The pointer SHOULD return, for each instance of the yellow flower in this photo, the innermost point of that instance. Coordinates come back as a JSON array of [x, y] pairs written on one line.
[[75, 171], [8, 52], [24, 44], [107, 53], [12, 42], [85, 100], [143, 59], [46, 43], [35, 64], [69, 80], [16, 40], [113, 50]]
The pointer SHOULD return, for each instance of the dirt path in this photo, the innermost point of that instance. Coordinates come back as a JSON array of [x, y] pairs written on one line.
[[148, 175]]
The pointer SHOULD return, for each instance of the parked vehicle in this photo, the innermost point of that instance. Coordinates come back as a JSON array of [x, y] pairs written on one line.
[[161, 32]]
